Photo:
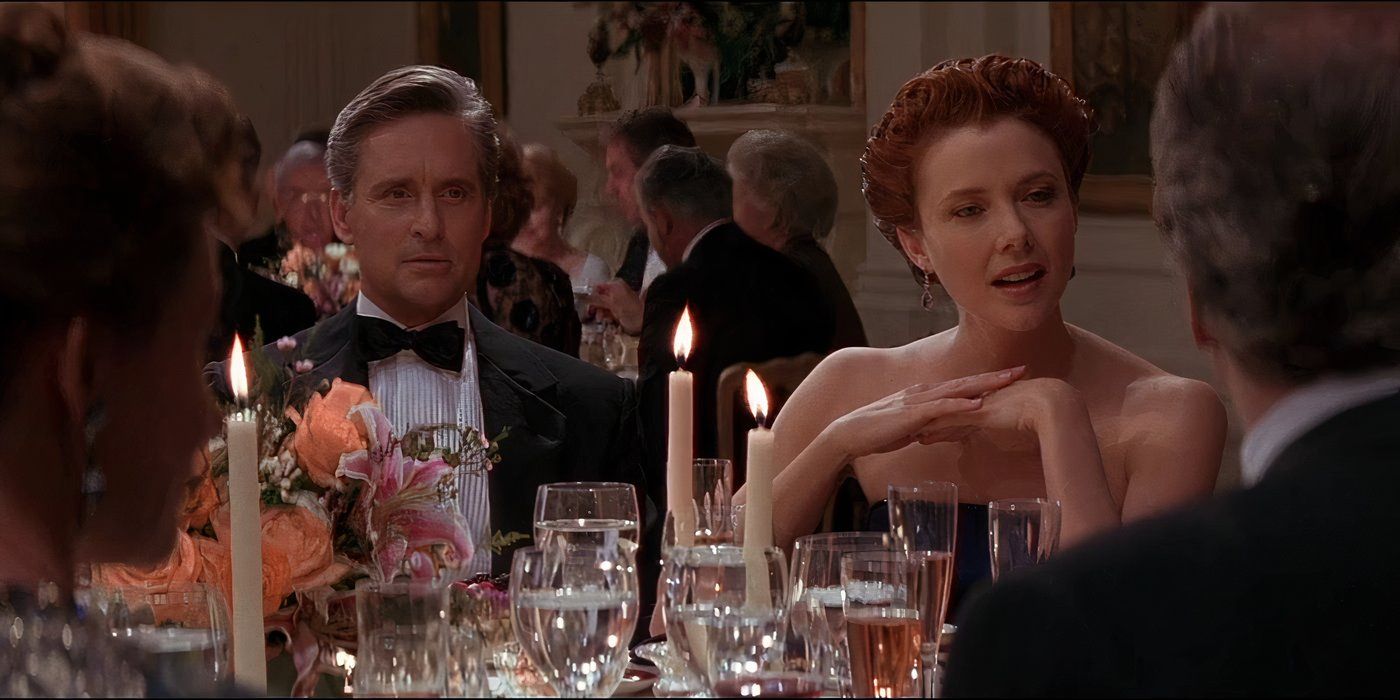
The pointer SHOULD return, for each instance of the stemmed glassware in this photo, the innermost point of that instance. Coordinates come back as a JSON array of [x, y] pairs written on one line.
[[816, 619], [586, 512], [574, 608], [182, 629], [924, 526], [1021, 532], [884, 630]]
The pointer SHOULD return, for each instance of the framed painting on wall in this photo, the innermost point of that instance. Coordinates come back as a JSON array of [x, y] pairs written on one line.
[[1112, 53], [470, 38]]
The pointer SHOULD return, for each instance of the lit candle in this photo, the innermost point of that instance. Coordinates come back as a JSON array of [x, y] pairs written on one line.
[[245, 528], [758, 506], [680, 445]]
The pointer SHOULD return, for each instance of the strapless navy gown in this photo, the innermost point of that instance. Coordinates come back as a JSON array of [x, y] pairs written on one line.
[[972, 559]]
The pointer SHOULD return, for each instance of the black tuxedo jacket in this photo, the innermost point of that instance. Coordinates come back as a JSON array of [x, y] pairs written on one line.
[[749, 303], [634, 261], [1291, 587], [250, 300], [568, 420]]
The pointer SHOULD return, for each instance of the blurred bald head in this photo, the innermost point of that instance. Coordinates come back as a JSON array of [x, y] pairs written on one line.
[[301, 193]]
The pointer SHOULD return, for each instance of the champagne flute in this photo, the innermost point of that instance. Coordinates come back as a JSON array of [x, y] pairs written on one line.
[[573, 609], [883, 629], [1022, 532], [599, 513], [816, 617], [924, 525]]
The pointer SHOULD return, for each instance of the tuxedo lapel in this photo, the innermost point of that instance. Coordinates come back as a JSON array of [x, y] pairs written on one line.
[[514, 389], [331, 348]]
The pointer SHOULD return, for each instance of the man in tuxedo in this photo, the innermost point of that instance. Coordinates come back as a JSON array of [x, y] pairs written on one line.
[[1275, 148], [300, 193], [633, 138], [248, 301], [748, 302], [412, 161]]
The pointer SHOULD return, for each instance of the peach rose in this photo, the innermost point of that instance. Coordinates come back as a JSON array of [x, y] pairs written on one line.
[[182, 566], [303, 538], [202, 497], [325, 432], [218, 571]]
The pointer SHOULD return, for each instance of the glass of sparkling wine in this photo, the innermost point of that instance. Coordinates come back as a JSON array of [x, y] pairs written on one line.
[[599, 513], [924, 526], [574, 609], [1022, 532], [883, 630], [403, 639], [816, 619]]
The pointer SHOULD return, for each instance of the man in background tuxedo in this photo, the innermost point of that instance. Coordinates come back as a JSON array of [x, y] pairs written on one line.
[[748, 302], [1276, 152], [300, 193], [412, 160], [248, 301], [633, 138]]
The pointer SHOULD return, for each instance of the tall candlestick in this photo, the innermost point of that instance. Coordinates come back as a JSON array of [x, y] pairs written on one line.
[[758, 507], [680, 445], [245, 531]]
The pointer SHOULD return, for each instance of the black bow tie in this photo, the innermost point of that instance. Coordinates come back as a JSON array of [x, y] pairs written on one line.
[[439, 345]]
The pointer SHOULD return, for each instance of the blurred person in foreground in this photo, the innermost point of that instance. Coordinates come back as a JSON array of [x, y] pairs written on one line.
[[1275, 143], [109, 287]]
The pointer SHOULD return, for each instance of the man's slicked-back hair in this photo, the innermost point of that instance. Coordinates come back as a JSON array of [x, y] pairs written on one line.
[[689, 183], [1276, 154], [404, 92], [645, 130]]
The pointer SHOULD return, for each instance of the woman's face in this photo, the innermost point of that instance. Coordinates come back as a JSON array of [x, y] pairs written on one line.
[[159, 413], [996, 222]]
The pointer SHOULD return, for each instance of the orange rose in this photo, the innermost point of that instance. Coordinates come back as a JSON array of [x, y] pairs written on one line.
[[218, 571], [325, 432], [300, 536], [202, 497], [183, 566]]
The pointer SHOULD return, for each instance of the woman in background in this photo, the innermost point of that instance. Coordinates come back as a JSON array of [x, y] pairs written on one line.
[[555, 192]]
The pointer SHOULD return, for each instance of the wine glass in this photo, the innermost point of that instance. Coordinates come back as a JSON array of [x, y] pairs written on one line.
[[586, 512], [1022, 532], [574, 607], [182, 629], [883, 630], [715, 591], [403, 639], [816, 616], [924, 525]]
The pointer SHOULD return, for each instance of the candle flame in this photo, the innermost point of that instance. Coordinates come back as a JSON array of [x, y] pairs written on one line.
[[237, 371], [684, 337], [757, 395]]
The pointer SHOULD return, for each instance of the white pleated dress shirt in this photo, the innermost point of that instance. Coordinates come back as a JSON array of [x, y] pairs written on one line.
[[414, 393]]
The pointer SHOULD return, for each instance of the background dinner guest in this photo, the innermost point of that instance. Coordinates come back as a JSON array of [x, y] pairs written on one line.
[[107, 284], [530, 297], [248, 301], [300, 193], [785, 198], [748, 302], [973, 174], [633, 138], [1275, 145], [555, 192]]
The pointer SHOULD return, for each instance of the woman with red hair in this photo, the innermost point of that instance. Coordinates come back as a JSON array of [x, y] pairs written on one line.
[[973, 175]]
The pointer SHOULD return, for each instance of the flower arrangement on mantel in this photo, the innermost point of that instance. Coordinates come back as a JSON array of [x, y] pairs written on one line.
[[343, 498]]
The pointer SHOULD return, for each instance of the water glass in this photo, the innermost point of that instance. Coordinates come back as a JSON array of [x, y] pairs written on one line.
[[574, 609], [403, 639], [816, 619], [724, 608], [1022, 532], [599, 513], [714, 526], [181, 629], [883, 630]]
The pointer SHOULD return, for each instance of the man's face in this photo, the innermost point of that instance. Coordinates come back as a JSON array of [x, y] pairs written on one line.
[[417, 216], [617, 160], [303, 202]]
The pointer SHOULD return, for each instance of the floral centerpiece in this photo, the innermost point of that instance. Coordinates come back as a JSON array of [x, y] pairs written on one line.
[[343, 498], [330, 276]]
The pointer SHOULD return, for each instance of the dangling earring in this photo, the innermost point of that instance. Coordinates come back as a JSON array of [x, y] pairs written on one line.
[[929, 281], [94, 481]]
